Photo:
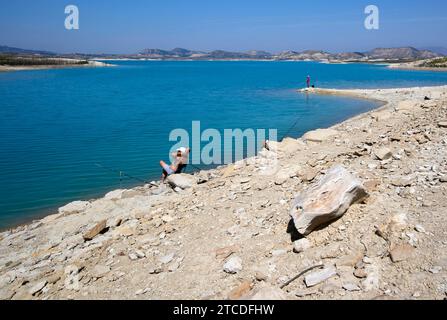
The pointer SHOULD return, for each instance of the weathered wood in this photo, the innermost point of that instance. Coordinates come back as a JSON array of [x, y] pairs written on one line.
[[326, 200]]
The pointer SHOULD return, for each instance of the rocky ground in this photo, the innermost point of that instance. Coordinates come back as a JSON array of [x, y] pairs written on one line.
[[228, 233]]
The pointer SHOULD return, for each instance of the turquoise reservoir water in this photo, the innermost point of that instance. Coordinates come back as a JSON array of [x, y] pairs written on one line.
[[55, 125]]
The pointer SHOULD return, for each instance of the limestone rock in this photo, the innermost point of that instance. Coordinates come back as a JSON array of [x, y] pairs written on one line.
[[383, 153], [405, 181], [267, 293], [290, 146], [351, 287], [100, 271], [401, 253], [233, 265], [124, 231], [37, 287], [167, 258], [74, 207], [97, 229], [320, 135], [301, 245], [281, 177], [182, 181], [72, 278], [114, 195], [320, 276], [243, 289], [326, 200], [442, 124], [223, 253]]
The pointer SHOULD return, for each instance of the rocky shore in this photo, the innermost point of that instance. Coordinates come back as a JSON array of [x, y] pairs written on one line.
[[227, 233]]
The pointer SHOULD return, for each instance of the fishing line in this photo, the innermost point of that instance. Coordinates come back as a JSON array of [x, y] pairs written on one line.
[[121, 173]]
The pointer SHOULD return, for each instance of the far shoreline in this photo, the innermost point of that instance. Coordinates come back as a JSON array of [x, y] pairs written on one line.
[[90, 64]]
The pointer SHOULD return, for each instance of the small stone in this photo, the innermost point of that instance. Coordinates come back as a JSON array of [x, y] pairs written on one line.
[[37, 287], [133, 256], [281, 178], [443, 179], [155, 270], [243, 289], [54, 279], [351, 287], [402, 182], [435, 270], [182, 181], [74, 208], [167, 258], [72, 277], [301, 245], [442, 124], [360, 273], [401, 253], [97, 229], [427, 204], [280, 252], [167, 218], [224, 253], [367, 260], [233, 265], [124, 231], [320, 135], [420, 228], [139, 292], [140, 254], [100, 271], [174, 266], [259, 276], [383, 154], [318, 277], [266, 292], [305, 293]]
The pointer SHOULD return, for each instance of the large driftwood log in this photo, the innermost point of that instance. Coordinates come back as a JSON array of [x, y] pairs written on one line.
[[326, 200]]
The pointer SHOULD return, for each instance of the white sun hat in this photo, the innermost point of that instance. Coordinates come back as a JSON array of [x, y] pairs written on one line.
[[182, 149]]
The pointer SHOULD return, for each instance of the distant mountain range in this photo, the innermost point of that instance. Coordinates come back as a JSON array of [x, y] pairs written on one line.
[[439, 50], [379, 54]]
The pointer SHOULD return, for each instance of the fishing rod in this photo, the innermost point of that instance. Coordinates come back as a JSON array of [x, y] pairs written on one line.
[[121, 173], [291, 128]]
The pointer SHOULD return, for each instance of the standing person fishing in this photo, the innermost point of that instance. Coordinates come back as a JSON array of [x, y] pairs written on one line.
[[308, 81]]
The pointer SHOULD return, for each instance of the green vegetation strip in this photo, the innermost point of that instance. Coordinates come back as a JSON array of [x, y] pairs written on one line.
[[10, 60], [436, 63]]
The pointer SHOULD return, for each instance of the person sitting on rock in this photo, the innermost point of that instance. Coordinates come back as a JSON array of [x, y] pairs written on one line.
[[177, 166]]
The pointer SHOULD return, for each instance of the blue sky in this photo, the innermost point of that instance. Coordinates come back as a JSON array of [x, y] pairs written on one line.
[[118, 26]]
